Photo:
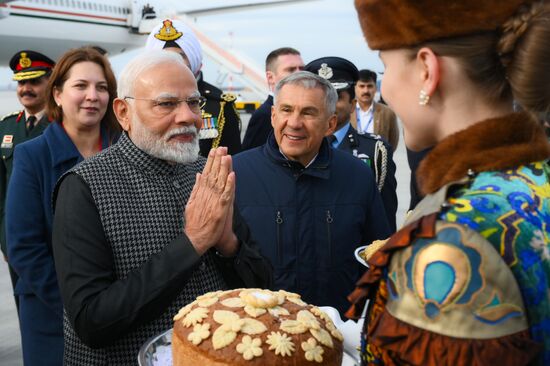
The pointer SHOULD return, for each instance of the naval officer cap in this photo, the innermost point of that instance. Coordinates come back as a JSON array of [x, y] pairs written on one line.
[[28, 65], [341, 73], [175, 33]]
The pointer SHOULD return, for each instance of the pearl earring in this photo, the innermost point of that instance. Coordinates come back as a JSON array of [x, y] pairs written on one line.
[[423, 98]]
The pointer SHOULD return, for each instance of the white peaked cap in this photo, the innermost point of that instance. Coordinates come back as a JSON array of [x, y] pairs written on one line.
[[182, 35]]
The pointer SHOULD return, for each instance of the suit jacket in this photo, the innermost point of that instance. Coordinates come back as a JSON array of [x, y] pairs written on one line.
[[13, 127], [230, 134], [385, 124], [373, 150], [259, 126]]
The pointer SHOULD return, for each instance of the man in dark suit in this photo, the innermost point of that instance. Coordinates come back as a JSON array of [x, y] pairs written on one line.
[[370, 148], [221, 124], [31, 70], [278, 64]]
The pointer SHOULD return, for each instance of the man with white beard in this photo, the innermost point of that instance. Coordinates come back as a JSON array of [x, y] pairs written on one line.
[[145, 227]]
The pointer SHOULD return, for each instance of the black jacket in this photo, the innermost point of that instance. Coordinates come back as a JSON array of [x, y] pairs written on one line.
[[259, 126]]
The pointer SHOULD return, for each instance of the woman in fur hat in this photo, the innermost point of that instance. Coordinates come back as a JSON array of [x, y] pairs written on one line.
[[466, 280]]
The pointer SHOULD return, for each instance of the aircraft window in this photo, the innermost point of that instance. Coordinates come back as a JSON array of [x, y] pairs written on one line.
[[95, 6]]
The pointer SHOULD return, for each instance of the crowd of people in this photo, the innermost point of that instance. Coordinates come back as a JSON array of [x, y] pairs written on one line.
[[123, 199]]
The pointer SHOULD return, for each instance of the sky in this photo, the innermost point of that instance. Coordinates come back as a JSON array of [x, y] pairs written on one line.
[[316, 28]]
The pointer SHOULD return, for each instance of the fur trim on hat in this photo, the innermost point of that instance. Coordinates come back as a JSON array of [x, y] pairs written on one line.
[[390, 24]]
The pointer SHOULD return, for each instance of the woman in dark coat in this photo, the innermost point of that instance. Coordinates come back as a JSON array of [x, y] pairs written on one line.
[[80, 93]]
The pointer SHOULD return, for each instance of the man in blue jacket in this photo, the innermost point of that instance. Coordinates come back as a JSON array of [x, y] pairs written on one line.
[[309, 206]]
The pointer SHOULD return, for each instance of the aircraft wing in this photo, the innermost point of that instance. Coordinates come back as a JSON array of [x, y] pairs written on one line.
[[214, 9]]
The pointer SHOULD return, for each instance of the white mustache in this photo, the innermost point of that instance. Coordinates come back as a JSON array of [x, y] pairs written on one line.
[[182, 130]]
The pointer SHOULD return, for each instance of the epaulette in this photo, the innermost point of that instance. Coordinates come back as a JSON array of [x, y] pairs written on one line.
[[374, 136], [229, 97], [9, 115]]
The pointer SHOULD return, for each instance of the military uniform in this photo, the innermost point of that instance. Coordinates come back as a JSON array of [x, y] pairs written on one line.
[[221, 122], [13, 132], [26, 65], [377, 153], [371, 149]]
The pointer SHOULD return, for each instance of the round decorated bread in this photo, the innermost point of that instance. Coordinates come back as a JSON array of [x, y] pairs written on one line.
[[254, 327]]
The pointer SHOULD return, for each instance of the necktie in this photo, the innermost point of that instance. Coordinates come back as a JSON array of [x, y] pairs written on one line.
[[31, 121], [331, 139]]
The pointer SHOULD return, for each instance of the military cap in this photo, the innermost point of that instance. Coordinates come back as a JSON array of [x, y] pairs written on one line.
[[413, 22], [30, 65], [341, 73], [175, 33]]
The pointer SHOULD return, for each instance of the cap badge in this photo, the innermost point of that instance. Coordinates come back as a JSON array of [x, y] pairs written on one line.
[[168, 32], [325, 72], [24, 61]]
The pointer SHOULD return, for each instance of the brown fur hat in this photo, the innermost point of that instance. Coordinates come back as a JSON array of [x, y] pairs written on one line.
[[389, 24]]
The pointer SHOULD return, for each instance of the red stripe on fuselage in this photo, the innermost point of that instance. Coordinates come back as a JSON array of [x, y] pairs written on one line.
[[63, 12]]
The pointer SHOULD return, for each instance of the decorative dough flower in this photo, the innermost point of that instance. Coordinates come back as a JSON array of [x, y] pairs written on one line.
[[200, 332], [233, 302], [296, 300], [195, 316], [231, 324], [320, 313], [278, 311], [250, 348], [312, 351], [183, 312], [259, 298], [208, 299], [281, 343]]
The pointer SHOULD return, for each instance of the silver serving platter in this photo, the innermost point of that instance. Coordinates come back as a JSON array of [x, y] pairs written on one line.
[[157, 351]]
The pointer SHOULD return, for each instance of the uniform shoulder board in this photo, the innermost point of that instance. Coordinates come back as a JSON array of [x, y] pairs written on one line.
[[374, 136], [229, 97], [9, 115]]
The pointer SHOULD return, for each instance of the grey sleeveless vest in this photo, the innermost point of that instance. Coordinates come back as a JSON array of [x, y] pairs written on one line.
[[141, 202]]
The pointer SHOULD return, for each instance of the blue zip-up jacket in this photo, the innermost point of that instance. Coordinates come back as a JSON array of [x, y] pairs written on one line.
[[309, 221]]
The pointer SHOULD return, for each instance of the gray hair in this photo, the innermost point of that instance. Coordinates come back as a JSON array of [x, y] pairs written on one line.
[[141, 63], [310, 80]]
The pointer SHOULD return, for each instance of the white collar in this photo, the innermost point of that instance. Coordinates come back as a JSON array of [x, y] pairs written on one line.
[[38, 115]]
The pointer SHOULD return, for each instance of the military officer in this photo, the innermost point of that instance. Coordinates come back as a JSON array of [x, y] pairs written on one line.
[[370, 148], [221, 123], [31, 70]]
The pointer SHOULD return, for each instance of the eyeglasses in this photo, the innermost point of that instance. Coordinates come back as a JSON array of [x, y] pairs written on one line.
[[166, 106]]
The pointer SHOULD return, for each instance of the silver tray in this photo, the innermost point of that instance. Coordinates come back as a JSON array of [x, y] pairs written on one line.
[[157, 351]]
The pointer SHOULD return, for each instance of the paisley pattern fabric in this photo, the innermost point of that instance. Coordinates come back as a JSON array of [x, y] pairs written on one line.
[[511, 210]]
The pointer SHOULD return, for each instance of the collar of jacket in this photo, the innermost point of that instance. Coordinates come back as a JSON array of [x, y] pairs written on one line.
[[319, 168], [147, 163], [62, 148], [493, 144]]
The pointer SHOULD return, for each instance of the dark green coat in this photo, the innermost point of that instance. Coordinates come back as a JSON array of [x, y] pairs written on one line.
[[12, 125]]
